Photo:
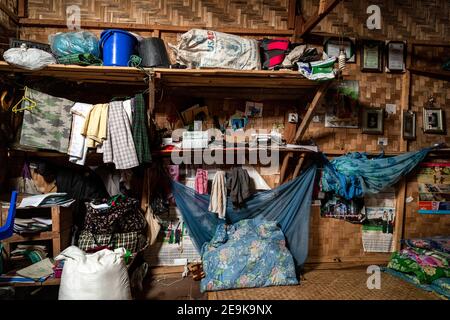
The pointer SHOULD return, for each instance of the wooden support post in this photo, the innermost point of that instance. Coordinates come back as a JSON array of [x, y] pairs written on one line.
[[56, 223], [312, 22], [284, 166], [311, 108], [400, 215], [298, 166], [21, 8]]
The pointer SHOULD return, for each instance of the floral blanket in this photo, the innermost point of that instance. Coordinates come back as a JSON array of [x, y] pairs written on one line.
[[250, 253], [426, 259]]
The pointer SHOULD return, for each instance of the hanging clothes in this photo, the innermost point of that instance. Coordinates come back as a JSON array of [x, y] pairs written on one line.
[[128, 107], [354, 175], [119, 146], [201, 181], [140, 135], [95, 125], [218, 199], [289, 205], [77, 145], [47, 125], [238, 182]]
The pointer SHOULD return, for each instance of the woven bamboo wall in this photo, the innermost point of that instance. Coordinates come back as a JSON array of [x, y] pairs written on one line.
[[193, 13], [8, 28], [330, 239]]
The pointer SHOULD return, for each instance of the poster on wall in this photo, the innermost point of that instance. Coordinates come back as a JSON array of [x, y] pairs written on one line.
[[378, 229], [434, 188], [339, 208], [341, 105]]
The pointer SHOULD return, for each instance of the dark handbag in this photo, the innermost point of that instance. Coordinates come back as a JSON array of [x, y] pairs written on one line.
[[160, 205], [124, 216]]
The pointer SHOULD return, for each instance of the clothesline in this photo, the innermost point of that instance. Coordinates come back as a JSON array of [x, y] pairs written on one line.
[[116, 129]]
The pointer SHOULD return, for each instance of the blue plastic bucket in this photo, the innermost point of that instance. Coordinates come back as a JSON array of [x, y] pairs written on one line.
[[117, 46]]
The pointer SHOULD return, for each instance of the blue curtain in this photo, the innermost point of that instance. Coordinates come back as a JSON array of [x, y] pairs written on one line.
[[289, 205], [354, 175]]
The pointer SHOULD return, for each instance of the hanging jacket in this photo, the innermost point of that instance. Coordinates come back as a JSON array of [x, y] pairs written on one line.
[[238, 183]]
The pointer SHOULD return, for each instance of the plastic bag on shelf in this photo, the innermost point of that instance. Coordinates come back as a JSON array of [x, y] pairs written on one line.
[[199, 48], [28, 58], [66, 43]]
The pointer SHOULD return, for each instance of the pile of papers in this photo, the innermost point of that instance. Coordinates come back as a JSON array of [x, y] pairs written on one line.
[[32, 225], [29, 251], [47, 200]]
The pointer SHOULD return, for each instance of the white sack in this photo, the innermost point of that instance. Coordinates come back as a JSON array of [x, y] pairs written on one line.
[[102, 275], [30, 59], [199, 48]]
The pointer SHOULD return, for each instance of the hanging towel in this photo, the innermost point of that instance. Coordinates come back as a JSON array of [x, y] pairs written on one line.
[[218, 199], [119, 147], [95, 126], [140, 135], [78, 146], [47, 125], [201, 181], [128, 109], [238, 182]]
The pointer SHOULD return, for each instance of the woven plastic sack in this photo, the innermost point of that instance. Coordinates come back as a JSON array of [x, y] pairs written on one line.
[[65, 43], [199, 48], [28, 58], [99, 276]]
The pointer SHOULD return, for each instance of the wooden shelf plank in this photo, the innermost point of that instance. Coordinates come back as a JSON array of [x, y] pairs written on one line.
[[439, 74], [46, 235]]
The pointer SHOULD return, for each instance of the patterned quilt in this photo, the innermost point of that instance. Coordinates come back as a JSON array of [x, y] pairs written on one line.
[[250, 253]]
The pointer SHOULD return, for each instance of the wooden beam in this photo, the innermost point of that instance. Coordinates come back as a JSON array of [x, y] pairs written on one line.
[[311, 108], [299, 165], [400, 215], [22, 8], [52, 23], [292, 8], [312, 22], [284, 166]]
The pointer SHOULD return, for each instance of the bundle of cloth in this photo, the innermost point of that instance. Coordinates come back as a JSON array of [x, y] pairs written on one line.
[[424, 262], [250, 253]]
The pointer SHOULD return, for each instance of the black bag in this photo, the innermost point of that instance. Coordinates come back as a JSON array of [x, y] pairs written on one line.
[[153, 53]]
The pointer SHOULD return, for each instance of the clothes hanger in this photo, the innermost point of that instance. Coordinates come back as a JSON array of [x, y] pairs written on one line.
[[32, 105]]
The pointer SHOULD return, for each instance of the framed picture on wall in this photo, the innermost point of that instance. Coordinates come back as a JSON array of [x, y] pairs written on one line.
[[332, 47], [409, 125], [433, 120], [395, 56], [373, 121], [372, 56]]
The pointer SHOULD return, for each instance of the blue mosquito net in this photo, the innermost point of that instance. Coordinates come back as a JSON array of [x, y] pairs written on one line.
[[354, 175], [289, 205]]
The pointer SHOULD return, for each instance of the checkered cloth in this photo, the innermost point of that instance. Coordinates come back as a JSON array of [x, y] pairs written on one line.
[[132, 241], [140, 134], [119, 145]]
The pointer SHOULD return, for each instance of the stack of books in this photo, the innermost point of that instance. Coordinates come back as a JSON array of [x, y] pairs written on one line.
[[30, 252], [47, 200]]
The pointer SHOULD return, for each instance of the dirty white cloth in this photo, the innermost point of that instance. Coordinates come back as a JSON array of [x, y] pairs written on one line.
[[218, 199], [78, 146], [258, 181], [128, 109]]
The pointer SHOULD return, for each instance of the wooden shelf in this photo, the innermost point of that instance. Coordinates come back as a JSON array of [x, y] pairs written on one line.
[[48, 282], [172, 77], [232, 78], [100, 74]]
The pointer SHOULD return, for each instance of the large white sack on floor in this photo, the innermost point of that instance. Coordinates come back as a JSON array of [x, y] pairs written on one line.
[[99, 276], [199, 48], [30, 59]]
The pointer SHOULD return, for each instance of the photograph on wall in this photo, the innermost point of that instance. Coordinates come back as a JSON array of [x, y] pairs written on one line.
[[341, 105], [336, 207], [378, 228], [434, 188]]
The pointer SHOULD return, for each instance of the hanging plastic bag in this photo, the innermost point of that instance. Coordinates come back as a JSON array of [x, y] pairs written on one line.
[[28, 58], [81, 42]]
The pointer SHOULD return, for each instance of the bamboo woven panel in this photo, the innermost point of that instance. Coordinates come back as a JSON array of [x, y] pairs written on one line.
[[421, 89], [375, 90], [331, 285], [333, 240], [410, 19], [422, 225], [193, 13]]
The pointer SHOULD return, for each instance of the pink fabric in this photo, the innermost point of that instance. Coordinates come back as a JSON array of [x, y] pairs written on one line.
[[201, 181]]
